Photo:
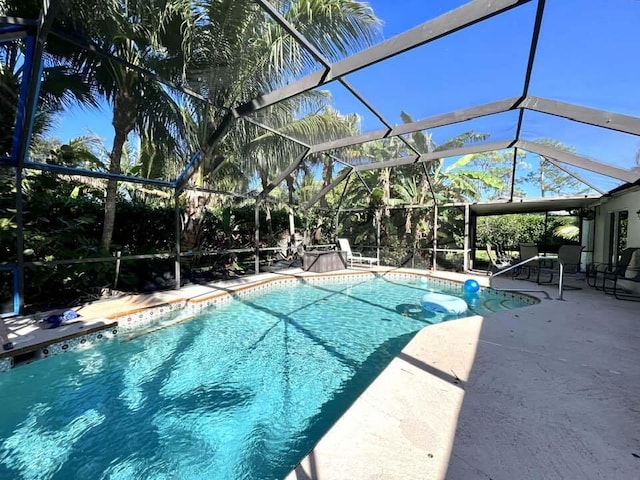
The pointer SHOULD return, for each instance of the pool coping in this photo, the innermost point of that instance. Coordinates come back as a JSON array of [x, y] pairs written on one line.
[[139, 312]]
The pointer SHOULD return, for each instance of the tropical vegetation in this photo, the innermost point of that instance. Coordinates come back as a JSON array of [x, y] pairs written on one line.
[[225, 53]]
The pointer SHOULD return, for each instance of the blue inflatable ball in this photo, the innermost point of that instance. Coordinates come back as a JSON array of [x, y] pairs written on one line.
[[471, 286]]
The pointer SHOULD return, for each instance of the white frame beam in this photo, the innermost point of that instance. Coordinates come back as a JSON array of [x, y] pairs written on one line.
[[446, 24], [589, 116], [428, 157], [578, 161]]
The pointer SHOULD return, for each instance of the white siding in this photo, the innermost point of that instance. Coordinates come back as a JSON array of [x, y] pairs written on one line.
[[630, 201]]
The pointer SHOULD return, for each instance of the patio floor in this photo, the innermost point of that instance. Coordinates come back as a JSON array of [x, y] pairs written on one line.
[[548, 391]]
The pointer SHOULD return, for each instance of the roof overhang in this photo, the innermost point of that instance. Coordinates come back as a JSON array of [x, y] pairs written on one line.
[[532, 205]]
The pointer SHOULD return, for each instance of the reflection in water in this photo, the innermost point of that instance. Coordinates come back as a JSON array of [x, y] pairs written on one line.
[[38, 452], [144, 365]]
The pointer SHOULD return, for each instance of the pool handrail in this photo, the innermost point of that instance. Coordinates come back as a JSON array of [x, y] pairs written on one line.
[[524, 262]]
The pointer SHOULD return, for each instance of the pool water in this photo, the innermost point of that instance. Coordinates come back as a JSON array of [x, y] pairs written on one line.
[[242, 392]]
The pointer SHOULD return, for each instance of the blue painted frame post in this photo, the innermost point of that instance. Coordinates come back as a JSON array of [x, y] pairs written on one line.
[[17, 304], [16, 297], [25, 117], [18, 133]]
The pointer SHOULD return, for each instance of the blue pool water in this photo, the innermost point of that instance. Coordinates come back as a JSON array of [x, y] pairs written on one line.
[[242, 392]]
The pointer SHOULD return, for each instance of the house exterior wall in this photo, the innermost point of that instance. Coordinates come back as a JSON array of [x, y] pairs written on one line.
[[628, 200]]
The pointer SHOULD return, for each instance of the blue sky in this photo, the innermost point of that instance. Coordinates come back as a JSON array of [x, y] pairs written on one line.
[[587, 55]]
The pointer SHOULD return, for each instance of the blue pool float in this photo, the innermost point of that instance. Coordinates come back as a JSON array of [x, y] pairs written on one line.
[[441, 303]]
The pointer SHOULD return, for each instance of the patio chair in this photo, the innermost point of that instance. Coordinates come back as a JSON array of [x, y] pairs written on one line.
[[497, 261], [570, 256], [599, 273], [355, 257], [625, 278], [528, 250], [502, 255]]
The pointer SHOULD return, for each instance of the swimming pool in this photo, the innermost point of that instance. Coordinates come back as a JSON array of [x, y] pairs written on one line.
[[242, 392]]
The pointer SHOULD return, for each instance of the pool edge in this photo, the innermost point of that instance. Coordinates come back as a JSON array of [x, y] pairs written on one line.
[[153, 306]]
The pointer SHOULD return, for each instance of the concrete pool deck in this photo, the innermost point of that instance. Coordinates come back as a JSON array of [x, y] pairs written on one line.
[[27, 333], [544, 391]]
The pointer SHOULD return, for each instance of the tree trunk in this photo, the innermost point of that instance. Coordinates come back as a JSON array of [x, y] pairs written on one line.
[[265, 183], [385, 180], [426, 190], [327, 169], [124, 115], [192, 219], [112, 190], [290, 188], [267, 216], [327, 178]]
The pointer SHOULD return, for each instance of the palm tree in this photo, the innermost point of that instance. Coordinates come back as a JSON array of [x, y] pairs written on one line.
[[61, 87], [155, 35], [459, 181], [276, 153], [139, 104], [226, 49], [379, 151], [240, 54], [500, 165]]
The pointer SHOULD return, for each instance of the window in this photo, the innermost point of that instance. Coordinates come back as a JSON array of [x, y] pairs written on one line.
[[618, 225]]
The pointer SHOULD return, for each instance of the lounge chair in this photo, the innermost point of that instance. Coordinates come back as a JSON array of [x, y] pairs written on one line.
[[355, 257], [570, 256]]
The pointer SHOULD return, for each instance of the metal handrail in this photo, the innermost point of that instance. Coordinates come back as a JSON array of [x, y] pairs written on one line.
[[524, 262]]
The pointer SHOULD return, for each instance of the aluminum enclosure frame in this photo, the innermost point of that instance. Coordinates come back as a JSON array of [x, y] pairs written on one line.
[[36, 31], [446, 24]]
